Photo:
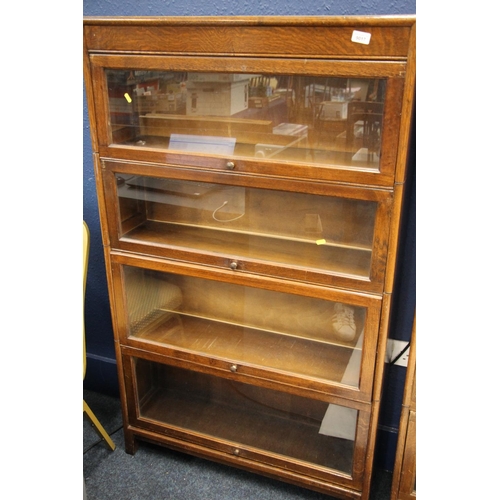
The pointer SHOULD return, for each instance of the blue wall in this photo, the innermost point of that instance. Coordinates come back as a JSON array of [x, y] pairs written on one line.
[[101, 365]]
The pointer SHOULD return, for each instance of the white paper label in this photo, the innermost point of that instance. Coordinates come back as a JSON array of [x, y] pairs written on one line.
[[361, 37]]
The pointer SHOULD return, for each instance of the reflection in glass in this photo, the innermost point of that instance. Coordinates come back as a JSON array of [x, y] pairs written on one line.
[[297, 229], [242, 414], [292, 118], [291, 333]]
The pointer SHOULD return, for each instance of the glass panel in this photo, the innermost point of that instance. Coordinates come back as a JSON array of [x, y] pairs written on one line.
[[320, 232], [298, 118], [304, 429], [296, 334]]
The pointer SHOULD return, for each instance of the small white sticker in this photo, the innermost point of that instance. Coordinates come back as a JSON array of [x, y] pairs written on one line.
[[361, 37]]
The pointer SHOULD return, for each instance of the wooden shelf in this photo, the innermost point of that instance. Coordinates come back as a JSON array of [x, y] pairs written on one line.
[[267, 420], [321, 154], [330, 257], [306, 357]]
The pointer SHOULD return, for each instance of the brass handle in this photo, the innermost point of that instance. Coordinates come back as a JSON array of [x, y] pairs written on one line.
[[233, 368], [230, 165], [234, 265]]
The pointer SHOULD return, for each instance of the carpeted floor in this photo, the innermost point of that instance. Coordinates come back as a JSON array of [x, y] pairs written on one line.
[[156, 473]]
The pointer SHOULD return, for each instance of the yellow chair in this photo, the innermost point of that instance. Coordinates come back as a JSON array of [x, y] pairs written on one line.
[[86, 409]]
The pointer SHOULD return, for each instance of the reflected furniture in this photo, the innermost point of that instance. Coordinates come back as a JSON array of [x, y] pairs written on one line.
[[250, 251], [364, 122]]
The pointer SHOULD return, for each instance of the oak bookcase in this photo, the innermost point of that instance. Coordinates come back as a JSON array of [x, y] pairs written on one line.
[[250, 174]]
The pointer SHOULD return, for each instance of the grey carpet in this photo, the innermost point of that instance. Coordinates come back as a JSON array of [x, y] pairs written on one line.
[[157, 473]]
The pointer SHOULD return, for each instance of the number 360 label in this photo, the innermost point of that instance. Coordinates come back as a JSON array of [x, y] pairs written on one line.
[[361, 37]]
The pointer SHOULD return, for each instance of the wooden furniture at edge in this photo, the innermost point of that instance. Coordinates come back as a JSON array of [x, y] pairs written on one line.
[[229, 303], [405, 465]]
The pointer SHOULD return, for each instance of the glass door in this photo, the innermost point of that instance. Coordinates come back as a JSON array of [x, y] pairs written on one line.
[[273, 425], [332, 236], [253, 331], [319, 120]]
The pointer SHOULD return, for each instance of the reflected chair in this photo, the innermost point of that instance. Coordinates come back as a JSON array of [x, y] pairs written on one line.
[[364, 121], [86, 409], [330, 119]]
